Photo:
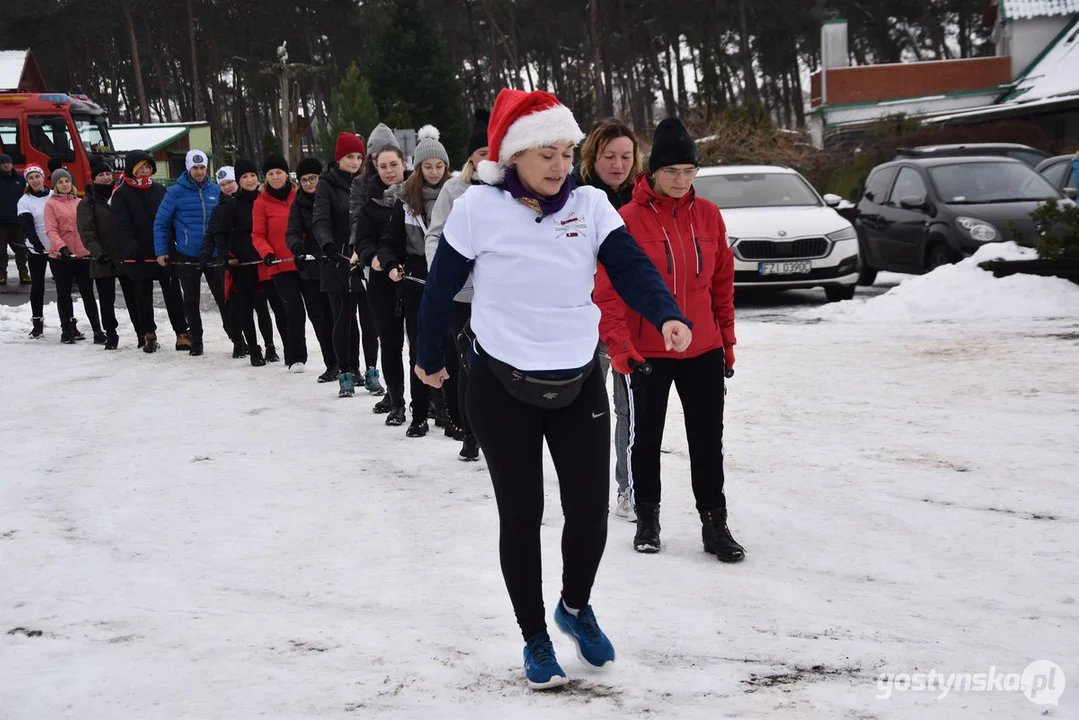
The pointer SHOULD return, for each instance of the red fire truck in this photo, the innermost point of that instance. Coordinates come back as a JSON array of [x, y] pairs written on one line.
[[38, 127]]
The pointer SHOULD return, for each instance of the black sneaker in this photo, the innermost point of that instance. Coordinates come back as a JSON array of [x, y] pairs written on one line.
[[112, 341], [470, 450], [396, 416], [329, 376], [418, 428], [239, 350], [271, 354], [717, 538], [256, 356], [67, 338], [647, 538], [196, 348], [99, 338], [383, 406], [39, 329]]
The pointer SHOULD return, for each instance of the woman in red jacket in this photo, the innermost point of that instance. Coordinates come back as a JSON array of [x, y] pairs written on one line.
[[685, 237], [269, 223]]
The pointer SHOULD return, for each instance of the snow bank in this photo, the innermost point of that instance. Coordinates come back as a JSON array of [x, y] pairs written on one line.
[[964, 293]]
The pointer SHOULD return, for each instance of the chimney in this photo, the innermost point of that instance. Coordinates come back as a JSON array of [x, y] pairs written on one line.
[[833, 51]]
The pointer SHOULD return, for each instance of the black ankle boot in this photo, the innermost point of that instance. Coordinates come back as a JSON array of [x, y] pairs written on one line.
[[717, 538], [256, 356], [397, 415], [112, 341], [417, 428], [647, 538]]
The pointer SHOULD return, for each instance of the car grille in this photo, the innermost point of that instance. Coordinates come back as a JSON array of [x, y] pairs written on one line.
[[786, 250]]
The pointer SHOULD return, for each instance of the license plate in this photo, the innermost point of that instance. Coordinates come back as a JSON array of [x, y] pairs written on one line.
[[799, 267]]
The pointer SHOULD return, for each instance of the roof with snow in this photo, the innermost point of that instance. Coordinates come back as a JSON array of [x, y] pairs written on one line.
[[1055, 73], [1022, 9], [19, 72], [150, 138]]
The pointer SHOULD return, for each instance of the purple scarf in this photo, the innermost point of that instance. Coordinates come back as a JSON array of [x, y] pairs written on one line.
[[543, 205]]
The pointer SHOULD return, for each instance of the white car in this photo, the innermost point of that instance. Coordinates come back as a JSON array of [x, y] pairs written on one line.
[[783, 233]]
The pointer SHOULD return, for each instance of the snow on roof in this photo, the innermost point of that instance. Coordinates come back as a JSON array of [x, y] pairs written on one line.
[[1055, 73], [11, 66], [1023, 9], [146, 137]]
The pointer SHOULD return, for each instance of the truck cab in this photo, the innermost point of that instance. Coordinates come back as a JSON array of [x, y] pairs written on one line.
[[38, 127]]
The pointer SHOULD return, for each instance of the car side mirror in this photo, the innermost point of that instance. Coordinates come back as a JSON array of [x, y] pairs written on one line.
[[832, 200], [914, 203], [1071, 193]]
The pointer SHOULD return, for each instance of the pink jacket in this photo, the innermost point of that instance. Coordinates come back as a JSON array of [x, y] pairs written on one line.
[[60, 225]]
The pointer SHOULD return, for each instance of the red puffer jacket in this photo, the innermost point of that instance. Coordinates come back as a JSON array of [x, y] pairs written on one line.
[[687, 240], [269, 221]]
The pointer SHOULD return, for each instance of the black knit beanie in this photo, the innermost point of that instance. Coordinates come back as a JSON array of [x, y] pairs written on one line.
[[478, 138], [274, 161], [308, 166], [99, 165], [672, 145], [244, 166]]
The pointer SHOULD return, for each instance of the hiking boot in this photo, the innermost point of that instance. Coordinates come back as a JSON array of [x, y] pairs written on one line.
[[346, 385], [39, 328], [397, 416], [372, 383], [239, 350], [183, 342], [453, 431], [112, 341], [75, 334], [271, 354], [196, 348], [418, 428], [329, 376], [470, 450], [149, 343], [647, 538], [717, 538], [541, 668], [256, 356], [593, 647], [383, 406]]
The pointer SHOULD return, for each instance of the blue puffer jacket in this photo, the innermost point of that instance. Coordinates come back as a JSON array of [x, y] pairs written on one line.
[[187, 208]]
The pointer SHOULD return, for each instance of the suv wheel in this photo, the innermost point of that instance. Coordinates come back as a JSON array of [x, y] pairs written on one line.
[[837, 293]]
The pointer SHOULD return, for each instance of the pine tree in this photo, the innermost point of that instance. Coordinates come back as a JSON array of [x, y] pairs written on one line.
[[413, 77], [352, 110]]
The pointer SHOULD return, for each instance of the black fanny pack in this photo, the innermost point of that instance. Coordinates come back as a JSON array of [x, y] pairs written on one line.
[[541, 392]]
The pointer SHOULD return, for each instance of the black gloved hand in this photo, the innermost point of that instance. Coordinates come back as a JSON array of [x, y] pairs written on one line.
[[104, 259], [202, 265], [65, 253], [38, 247], [330, 251], [301, 261], [269, 260]]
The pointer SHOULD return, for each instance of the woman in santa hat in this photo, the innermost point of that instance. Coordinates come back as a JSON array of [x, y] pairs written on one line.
[[532, 242]]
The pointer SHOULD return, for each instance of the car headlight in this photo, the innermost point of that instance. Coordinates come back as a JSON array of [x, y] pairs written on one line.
[[977, 229], [846, 233], [731, 240]]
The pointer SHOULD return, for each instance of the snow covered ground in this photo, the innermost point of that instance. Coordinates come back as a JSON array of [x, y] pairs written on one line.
[[195, 538]]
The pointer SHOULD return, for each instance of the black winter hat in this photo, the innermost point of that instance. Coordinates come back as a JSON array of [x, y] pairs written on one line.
[[5, 159], [135, 158], [99, 165], [672, 145], [478, 138], [308, 166], [244, 166], [274, 161]]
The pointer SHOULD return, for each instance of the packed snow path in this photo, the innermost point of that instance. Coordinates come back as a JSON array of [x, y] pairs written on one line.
[[195, 538]]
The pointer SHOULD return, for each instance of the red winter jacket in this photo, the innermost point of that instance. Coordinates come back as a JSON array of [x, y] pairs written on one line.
[[269, 221], [687, 240]]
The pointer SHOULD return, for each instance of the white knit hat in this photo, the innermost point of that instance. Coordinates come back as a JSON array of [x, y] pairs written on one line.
[[225, 174], [194, 158]]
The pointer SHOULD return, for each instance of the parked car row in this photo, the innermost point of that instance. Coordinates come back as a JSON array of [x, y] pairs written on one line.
[[927, 207]]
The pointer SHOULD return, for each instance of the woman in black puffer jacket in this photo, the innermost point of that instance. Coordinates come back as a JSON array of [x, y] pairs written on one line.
[[331, 226]]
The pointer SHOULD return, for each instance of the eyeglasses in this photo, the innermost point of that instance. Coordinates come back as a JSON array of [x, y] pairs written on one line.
[[308, 180], [673, 173]]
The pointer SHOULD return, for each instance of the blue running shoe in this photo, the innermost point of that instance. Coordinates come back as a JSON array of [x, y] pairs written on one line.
[[593, 647], [346, 383], [372, 383], [541, 668]]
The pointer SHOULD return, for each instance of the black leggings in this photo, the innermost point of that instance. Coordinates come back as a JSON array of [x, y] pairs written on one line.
[[511, 435], [38, 263], [348, 334], [241, 305], [287, 287], [699, 382], [321, 314], [64, 271], [412, 294], [456, 388], [106, 293]]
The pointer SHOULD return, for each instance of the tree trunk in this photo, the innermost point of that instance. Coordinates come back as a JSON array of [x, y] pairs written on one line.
[[751, 94], [136, 66], [597, 59], [166, 102], [680, 76], [200, 113]]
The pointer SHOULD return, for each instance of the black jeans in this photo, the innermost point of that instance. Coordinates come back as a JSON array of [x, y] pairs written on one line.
[[215, 279], [511, 435], [321, 314], [38, 263], [348, 336], [190, 279], [288, 289], [699, 382], [174, 300], [387, 308], [11, 234], [106, 293], [241, 304], [64, 272]]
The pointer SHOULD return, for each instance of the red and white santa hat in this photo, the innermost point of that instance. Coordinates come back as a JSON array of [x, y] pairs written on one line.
[[30, 169], [520, 121]]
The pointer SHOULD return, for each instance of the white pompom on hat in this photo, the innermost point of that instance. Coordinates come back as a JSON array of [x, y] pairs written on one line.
[[521, 121]]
